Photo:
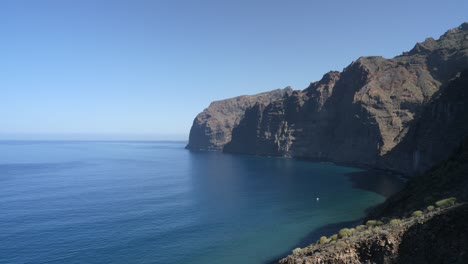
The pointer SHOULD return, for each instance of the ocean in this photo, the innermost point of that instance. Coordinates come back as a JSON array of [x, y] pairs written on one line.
[[155, 202]]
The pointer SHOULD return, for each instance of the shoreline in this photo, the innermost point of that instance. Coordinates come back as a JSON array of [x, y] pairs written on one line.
[[313, 236], [368, 179], [395, 173], [332, 228]]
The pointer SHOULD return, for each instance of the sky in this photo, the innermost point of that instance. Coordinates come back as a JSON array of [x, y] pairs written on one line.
[[133, 69]]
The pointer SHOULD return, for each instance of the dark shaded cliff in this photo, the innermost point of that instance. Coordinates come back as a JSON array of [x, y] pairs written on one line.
[[374, 113], [448, 178], [436, 132]]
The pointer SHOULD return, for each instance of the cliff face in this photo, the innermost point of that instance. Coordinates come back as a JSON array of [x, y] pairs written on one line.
[[436, 131], [212, 128], [369, 114]]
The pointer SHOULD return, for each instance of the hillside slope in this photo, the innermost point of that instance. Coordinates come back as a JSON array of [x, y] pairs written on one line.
[[435, 235]]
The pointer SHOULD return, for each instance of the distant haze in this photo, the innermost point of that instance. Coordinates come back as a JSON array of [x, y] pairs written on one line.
[[91, 136], [144, 69]]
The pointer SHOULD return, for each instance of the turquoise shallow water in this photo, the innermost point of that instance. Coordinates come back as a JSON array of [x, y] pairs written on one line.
[[155, 202]]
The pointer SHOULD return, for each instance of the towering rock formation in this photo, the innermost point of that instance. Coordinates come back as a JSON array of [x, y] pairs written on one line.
[[212, 128], [377, 112]]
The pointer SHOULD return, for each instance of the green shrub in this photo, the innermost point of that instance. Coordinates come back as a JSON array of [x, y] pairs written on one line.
[[345, 232], [296, 251], [430, 208], [395, 221], [371, 223], [379, 223], [324, 240], [361, 227], [446, 202], [334, 237], [417, 213]]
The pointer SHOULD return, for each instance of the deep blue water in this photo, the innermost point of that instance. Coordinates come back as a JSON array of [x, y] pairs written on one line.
[[155, 202]]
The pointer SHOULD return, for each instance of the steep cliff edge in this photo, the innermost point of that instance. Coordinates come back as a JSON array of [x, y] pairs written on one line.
[[368, 114], [212, 128]]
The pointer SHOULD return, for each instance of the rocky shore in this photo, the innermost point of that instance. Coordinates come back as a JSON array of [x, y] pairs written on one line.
[[438, 236]]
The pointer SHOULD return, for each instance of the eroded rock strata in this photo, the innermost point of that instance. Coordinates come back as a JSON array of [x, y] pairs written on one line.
[[212, 128], [404, 114]]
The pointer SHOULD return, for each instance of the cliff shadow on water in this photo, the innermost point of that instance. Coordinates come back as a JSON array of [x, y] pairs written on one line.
[[381, 182]]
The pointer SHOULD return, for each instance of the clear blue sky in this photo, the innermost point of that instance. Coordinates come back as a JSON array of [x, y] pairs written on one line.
[[144, 69]]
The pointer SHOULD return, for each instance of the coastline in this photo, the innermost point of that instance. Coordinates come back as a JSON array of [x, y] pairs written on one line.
[[313, 236], [359, 180], [373, 179]]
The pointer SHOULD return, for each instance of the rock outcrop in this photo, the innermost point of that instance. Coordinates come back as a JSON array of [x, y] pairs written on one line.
[[212, 128], [376, 112], [440, 236]]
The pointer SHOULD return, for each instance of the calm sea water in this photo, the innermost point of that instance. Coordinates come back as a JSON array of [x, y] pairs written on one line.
[[155, 202]]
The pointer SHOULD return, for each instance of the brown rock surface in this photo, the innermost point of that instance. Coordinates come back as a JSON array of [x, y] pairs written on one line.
[[212, 128], [368, 114]]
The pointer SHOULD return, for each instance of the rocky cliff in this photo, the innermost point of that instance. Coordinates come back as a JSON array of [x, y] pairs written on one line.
[[400, 114], [212, 128]]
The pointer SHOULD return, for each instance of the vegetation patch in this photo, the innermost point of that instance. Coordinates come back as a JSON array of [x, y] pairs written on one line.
[[371, 223], [372, 230], [296, 251], [446, 202], [361, 227], [417, 213], [324, 240], [345, 232]]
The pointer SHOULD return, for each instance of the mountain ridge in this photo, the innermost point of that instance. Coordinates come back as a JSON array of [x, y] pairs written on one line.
[[358, 116]]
